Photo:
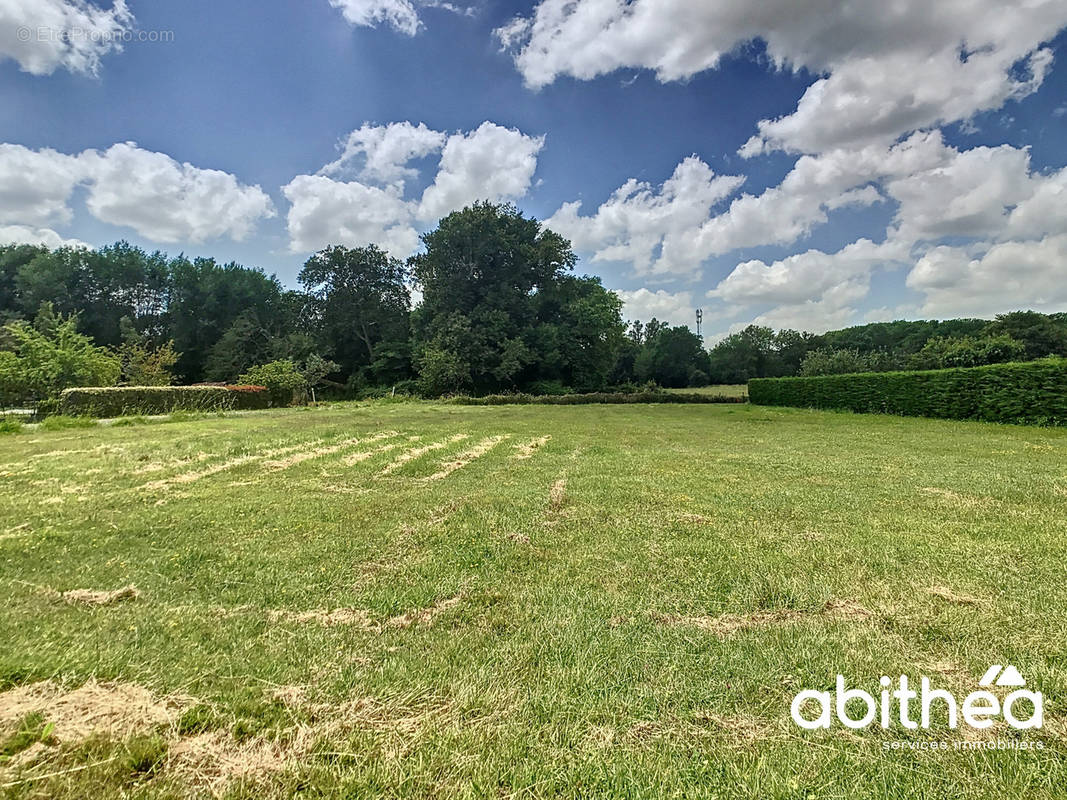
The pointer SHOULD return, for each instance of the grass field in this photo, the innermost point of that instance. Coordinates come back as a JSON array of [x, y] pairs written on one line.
[[727, 390], [410, 600]]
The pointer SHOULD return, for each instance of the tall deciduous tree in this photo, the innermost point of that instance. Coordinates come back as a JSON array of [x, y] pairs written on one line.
[[360, 304]]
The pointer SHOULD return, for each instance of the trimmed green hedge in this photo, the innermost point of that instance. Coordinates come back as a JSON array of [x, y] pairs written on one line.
[[117, 401], [1032, 393], [586, 399]]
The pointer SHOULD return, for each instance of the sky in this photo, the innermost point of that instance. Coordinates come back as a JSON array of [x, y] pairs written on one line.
[[808, 164]]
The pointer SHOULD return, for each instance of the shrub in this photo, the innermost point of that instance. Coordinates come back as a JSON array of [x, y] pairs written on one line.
[[587, 399], [134, 400], [8, 425], [1029, 393], [283, 380]]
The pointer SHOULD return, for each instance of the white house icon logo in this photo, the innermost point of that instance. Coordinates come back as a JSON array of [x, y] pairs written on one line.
[[900, 704], [1009, 677]]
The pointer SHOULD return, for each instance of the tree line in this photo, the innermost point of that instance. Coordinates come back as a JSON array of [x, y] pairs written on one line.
[[501, 310], [761, 352]]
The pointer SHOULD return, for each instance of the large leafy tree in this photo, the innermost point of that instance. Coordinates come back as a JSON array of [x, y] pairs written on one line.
[[359, 302], [482, 274]]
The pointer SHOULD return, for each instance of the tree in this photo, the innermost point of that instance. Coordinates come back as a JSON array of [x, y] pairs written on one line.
[[672, 357], [482, 274], [143, 364], [360, 304], [1041, 335], [51, 355]]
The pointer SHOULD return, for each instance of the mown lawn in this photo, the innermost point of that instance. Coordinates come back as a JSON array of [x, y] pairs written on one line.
[[326, 608]]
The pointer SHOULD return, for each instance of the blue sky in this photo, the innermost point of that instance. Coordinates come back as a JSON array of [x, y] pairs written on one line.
[[834, 161]]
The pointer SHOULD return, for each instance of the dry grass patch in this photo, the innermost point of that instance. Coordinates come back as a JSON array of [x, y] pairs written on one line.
[[959, 500], [319, 452], [557, 494], [463, 459], [418, 452], [423, 616], [94, 597], [212, 761], [351, 617], [525, 450], [951, 596], [357, 458], [728, 624], [233, 463], [113, 709]]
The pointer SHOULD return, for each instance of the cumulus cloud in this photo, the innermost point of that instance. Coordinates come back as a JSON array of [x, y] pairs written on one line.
[[45, 35], [887, 68], [35, 185], [490, 163], [25, 234], [325, 211], [150, 192], [386, 150], [649, 228], [805, 284], [957, 280], [677, 308], [166, 201]]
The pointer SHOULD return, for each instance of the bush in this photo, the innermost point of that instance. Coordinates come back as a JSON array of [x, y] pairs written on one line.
[[133, 400], [1033, 393], [587, 399], [283, 380], [548, 388], [8, 425]]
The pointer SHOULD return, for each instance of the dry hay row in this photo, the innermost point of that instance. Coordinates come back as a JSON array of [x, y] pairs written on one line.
[[463, 459], [418, 452], [301, 456]]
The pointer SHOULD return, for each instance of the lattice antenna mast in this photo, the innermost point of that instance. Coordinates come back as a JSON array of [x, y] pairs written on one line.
[[700, 322]]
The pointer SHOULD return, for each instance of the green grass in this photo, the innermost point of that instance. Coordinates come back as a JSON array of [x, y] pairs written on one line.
[[723, 390], [528, 628]]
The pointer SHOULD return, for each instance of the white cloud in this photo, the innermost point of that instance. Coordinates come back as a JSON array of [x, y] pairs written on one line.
[[888, 68], [45, 35], [677, 308], [967, 196], [814, 276], [35, 185], [386, 151], [150, 192], [653, 230], [24, 234], [325, 211], [401, 15], [490, 163], [398, 14], [169, 202], [1006, 276]]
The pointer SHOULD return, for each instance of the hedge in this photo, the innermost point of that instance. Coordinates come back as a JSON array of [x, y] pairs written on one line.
[[1031, 393], [586, 399], [119, 401]]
